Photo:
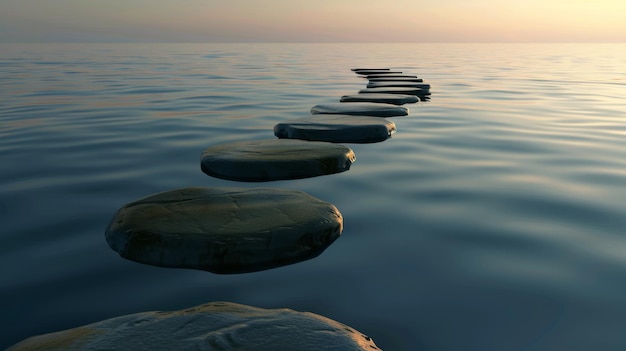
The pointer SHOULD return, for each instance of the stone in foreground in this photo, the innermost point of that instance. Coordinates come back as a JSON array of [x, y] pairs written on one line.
[[398, 85], [268, 160], [337, 129], [224, 230], [213, 326], [360, 109], [395, 90], [394, 99]]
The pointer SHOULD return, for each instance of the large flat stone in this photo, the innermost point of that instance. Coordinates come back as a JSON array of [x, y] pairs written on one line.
[[398, 85], [215, 326], [396, 90], [337, 129], [267, 160], [394, 99], [224, 230], [360, 109]]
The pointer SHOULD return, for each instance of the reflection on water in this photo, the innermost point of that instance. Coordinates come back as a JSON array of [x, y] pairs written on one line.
[[492, 220]]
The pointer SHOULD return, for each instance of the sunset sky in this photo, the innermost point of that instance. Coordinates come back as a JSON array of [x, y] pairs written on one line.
[[313, 21]]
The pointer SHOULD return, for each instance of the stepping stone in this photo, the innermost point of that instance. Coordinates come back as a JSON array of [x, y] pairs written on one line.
[[337, 129], [369, 69], [267, 160], [224, 230], [360, 109], [209, 327], [395, 99], [371, 76], [398, 84], [419, 80], [367, 72], [395, 90]]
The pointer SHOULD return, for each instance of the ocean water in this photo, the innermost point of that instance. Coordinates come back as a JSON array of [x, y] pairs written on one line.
[[494, 219]]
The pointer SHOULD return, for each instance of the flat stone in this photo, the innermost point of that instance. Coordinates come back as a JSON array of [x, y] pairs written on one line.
[[370, 76], [395, 99], [369, 69], [337, 129], [214, 326], [224, 230], [398, 85], [267, 160], [366, 72], [418, 80], [360, 109], [395, 90]]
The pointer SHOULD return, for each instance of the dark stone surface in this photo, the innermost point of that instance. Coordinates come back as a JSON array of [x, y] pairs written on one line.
[[224, 230]]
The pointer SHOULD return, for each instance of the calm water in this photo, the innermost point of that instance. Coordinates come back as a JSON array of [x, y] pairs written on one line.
[[495, 219]]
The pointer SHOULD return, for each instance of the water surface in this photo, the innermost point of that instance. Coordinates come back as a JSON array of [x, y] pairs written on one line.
[[494, 219]]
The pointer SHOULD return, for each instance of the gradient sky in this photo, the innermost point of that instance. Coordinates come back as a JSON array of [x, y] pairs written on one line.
[[313, 21]]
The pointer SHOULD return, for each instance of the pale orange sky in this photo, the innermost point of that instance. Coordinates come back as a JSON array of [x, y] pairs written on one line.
[[313, 21]]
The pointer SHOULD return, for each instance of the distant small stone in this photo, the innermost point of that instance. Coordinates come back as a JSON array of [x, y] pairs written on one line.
[[267, 160], [395, 99], [395, 90], [361, 109], [224, 230], [369, 69], [337, 129], [213, 326], [380, 75], [387, 79], [398, 85], [366, 72]]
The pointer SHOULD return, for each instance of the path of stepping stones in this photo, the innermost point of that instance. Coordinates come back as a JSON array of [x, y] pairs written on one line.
[[240, 230]]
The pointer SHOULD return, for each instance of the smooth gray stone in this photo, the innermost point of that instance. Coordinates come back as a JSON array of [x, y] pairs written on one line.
[[395, 99], [398, 84], [418, 80], [369, 69], [376, 71], [337, 129], [224, 230], [371, 76], [360, 109], [215, 326], [395, 90], [267, 160]]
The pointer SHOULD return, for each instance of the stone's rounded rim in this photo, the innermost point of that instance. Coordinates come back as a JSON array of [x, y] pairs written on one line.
[[337, 129], [275, 159], [361, 109], [210, 326], [395, 99], [224, 230], [396, 90]]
